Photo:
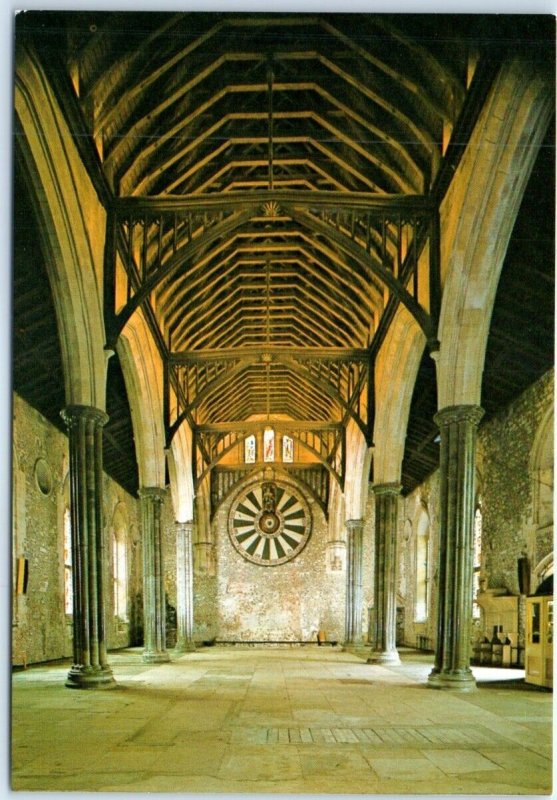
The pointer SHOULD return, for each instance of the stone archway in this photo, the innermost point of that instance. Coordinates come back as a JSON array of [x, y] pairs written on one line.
[[73, 242], [477, 217], [541, 469]]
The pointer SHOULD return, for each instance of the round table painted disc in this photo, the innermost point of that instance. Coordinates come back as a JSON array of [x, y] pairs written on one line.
[[269, 537]]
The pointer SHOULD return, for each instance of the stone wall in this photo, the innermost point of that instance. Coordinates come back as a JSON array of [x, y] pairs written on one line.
[[418, 513], [205, 602], [122, 632], [512, 525], [288, 602], [507, 487], [505, 446], [368, 565], [169, 551], [41, 630], [237, 600]]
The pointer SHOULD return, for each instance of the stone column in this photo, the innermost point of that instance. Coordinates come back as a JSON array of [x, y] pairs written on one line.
[[184, 587], [355, 528], [90, 669], [386, 516], [154, 609], [457, 467]]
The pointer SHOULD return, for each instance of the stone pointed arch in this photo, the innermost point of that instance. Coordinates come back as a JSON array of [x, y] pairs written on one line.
[[179, 459], [422, 568], [541, 470], [142, 370], [477, 218], [395, 375], [73, 244], [541, 454], [119, 520], [336, 538], [337, 513], [358, 463]]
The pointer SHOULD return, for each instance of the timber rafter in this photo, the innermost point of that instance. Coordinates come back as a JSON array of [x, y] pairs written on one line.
[[368, 237], [270, 181], [219, 267], [342, 376], [325, 444], [315, 478]]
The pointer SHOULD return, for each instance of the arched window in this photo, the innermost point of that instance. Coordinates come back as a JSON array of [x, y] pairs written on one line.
[[287, 449], [268, 444], [120, 575], [422, 568], [541, 472], [478, 522], [249, 449], [68, 579]]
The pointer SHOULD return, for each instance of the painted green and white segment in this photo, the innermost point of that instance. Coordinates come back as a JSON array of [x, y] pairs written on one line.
[[269, 527]]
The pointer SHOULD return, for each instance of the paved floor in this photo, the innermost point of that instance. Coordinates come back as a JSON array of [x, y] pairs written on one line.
[[301, 720]]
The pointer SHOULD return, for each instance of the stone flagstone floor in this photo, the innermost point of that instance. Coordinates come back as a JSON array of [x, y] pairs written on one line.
[[303, 720]]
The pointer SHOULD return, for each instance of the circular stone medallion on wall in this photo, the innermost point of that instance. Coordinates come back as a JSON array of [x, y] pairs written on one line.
[[43, 476], [269, 523]]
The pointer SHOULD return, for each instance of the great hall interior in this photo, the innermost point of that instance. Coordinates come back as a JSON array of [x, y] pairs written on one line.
[[282, 421]]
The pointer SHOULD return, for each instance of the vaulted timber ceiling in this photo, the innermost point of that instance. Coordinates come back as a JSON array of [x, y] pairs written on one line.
[[270, 169], [183, 104]]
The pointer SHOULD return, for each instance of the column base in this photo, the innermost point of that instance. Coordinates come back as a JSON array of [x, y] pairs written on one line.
[[185, 647], [155, 656], [387, 658], [358, 648], [90, 678], [457, 680]]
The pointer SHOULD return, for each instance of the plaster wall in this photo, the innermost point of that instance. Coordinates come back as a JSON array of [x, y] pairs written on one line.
[[41, 630]]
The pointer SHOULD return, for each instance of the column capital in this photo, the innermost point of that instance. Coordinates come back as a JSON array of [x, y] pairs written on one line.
[[393, 488], [73, 414], [184, 526], [155, 492], [454, 414], [354, 524]]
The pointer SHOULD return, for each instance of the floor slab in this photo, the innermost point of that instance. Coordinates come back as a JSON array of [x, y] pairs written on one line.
[[278, 721]]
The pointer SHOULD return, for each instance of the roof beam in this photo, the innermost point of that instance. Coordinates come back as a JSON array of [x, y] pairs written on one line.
[[280, 425], [217, 201], [257, 354]]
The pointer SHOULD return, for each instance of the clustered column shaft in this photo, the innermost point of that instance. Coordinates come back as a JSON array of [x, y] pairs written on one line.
[[458, 426], [355, 528], [386, 517], [90, 668], [184, 586], [154, 606]]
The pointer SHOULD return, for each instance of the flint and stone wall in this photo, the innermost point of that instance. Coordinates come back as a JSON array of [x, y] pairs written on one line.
[[513, 524], [419, 508], [246, 602], [235, 600], [41, 630], [508, 489], [368, 566]]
